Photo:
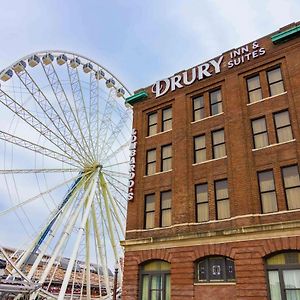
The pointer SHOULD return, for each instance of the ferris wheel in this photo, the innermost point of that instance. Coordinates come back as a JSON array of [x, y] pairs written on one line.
[[64, 145]]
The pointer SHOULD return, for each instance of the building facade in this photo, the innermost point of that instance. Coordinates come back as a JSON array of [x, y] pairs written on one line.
[[214, 205]]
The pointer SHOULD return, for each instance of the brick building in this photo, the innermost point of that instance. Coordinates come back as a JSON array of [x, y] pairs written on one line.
[[215, 209]]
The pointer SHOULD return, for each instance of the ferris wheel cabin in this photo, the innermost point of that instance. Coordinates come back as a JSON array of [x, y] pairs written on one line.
[[88, 67], [61, 59], [99, 74], [33, 61], [6, 75], [20, 66], [110, 83], [74, 62], [48, 59]]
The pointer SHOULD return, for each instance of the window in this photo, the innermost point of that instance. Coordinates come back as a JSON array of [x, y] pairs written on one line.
[[167, 119], [155, 283], [291, 182], [202, 212], [215, 98], [151, 162], [152, 124], [199, 149], [165, 208], [275, 81], [283, 272], [218, 143], [283, 126], [260, 134], [222, 199], [254, 89], [215, 269], [149, 211], [166, 158], [267, 191], [198, 108]]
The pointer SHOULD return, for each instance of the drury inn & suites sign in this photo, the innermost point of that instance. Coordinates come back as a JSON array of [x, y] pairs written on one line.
[[214, 66]]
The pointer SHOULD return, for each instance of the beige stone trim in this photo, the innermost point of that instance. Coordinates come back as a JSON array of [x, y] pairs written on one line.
[[250, 233]]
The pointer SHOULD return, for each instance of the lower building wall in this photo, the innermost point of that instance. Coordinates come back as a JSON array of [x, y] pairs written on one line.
[[248, 257]]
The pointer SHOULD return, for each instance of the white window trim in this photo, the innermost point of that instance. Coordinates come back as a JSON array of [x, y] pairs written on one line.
[[150, 136], [273, 145], [210, 160], [157, 173], [264, 99], [209, 117]]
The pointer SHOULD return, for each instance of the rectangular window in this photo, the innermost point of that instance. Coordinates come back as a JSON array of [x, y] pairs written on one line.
[[275, 81], [267, 191], [202, 212], [218, 143], [222, 199], [283, 126], [152, 124], [198, 108], [165, 208], [149, 211], [215, 98], [167, 119], [166, 158], [260, 133], [291, 182], [199, 149], [151, 162], [254, 89]]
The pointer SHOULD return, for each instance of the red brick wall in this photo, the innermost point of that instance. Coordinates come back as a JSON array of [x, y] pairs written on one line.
[[249, 268]]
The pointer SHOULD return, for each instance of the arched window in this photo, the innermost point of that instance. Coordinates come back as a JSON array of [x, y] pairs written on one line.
[[284, 276], [215, 269], [155, 280]]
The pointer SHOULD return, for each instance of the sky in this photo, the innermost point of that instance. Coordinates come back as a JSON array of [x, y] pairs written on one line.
[[139, 41]]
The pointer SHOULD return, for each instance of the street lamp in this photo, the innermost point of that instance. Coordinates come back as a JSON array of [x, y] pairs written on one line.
[[115, 281]]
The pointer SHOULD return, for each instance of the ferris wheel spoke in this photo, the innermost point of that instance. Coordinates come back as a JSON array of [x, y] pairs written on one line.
[[65, 107], [19, 205], [117, 164], [47, 108], [117, 129], [79, 105], [37, 171], [118, 174], [117, 151], [62, 157], [31, 120]]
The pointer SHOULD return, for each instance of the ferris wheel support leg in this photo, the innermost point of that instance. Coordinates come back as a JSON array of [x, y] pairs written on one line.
[[66, 233], [77, 243], [100, 250], [108, 215], [88, 260]]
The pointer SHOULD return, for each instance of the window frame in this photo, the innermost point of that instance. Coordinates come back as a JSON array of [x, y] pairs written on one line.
[[283, 182], [163, 121], [162, 210], [163, 273], [216, 145], [269, 84], [201, 203], [280, 268], [255, 89], [148, 211], [222, 199], [216, 103], [260, 192], [150, 162], [285, 126], [200, 149], [208, 264], [154, 124], [262, 132], [163, 159], [201, 108]]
